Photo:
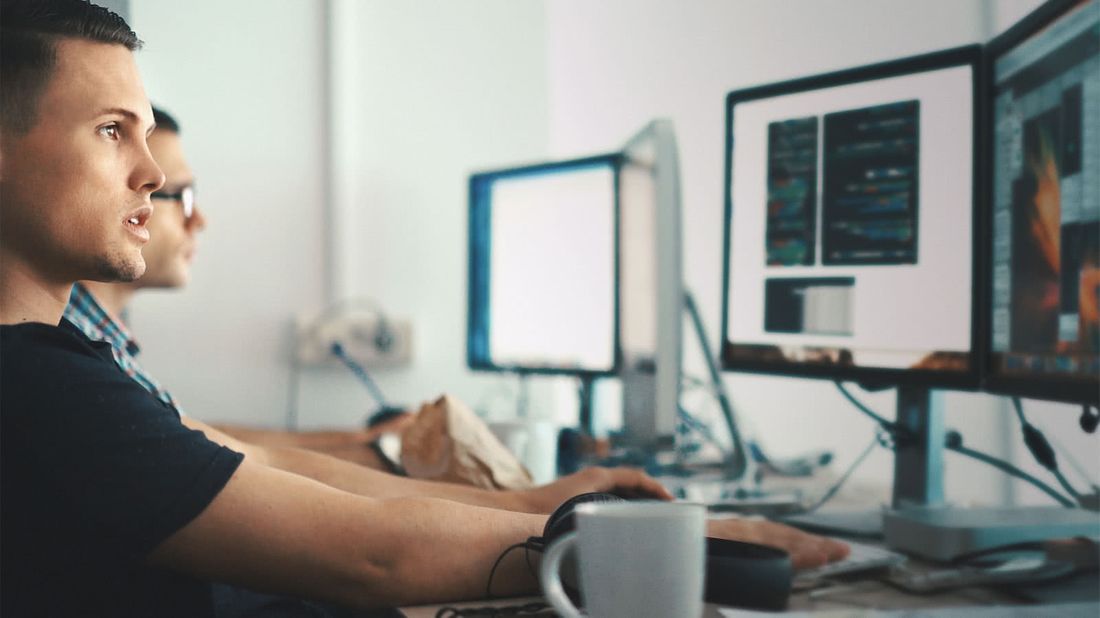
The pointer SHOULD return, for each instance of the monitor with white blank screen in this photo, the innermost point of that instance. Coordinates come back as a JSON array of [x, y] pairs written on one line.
[[542, 267], [850, 224]]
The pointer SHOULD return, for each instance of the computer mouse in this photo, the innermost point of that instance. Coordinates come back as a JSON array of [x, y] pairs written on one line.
[[737, 574]]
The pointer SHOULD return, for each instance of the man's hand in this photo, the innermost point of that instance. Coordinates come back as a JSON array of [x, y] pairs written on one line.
[[625, 482], [806, 550]]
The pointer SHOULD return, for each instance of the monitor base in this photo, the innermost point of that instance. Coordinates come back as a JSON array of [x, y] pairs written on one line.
[[865, 524], [947, 533]]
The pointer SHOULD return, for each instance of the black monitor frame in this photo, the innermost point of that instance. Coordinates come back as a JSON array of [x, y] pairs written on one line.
[[1038, 387], [478, 278], [871, 376]]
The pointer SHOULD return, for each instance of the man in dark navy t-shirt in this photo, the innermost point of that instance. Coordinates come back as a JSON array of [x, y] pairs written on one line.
[[111, 505]]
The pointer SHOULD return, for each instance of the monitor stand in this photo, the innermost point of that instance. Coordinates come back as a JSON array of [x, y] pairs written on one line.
[[739, 465], [919, 521], [739, 472]]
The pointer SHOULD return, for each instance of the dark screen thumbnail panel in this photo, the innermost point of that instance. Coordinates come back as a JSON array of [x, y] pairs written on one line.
[[870, 189], [792, 192], [814, 306]]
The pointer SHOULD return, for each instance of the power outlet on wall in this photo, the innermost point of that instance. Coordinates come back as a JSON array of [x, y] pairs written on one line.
[[365, 338]]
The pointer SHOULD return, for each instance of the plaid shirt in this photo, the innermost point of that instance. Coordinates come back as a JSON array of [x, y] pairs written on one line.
[[86, 314]]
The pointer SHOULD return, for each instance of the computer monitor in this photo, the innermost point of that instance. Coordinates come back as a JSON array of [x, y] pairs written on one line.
[[851, 224], [542, 264], [1041, 105], [1044, 188], [650, 285]]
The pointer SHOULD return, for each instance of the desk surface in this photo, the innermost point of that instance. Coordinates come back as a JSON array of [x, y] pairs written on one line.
[[859, 593], [861, 597]]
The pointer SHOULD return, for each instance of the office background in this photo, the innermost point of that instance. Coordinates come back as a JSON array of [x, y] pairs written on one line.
[[332, 141]]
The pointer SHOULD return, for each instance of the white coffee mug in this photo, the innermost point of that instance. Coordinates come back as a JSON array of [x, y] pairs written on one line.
[[635, 559]]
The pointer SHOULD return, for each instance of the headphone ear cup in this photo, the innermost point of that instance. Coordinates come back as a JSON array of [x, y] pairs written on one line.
[[562, 520]]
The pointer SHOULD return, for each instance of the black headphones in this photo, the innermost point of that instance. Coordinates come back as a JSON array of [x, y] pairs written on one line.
[[563, 520], [738, 574]]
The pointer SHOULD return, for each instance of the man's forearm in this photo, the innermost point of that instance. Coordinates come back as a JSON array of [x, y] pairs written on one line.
[[316, 440], [277, 532], [455, 565], [366, 482]]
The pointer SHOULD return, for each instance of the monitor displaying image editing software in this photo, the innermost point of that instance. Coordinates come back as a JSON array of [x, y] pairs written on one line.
[[1045, 196], [851, 224]]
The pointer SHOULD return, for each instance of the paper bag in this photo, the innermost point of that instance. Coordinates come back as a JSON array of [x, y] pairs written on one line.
[[448, 442]]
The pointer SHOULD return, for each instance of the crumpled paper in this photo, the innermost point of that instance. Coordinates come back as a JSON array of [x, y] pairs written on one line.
[[448, 442]]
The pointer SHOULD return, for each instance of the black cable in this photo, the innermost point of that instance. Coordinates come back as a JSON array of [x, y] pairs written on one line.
[[1041, 449], [489, 611], [953, 442], [889, 426], [699, 427], [360, 372], [1082, 473], [878, 439], [1064, 482], [527, 559], [536, 607], [1010, 470], [492, 572], [1019, 407]]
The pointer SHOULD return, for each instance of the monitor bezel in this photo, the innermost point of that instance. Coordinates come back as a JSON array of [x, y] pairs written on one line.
[[649, 418], [1065, 390], [474, 277], [878, 377]]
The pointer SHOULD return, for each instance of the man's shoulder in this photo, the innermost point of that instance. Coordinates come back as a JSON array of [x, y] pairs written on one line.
[[30, 337], [36, 354]]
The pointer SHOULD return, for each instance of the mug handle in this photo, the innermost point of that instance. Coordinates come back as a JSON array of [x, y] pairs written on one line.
[[550, 576]]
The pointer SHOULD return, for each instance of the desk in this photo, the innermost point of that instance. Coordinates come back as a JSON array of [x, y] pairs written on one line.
[[859, 593]]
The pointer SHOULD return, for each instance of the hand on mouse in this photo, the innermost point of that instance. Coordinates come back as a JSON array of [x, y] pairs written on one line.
[[628, 483], [806, 550]]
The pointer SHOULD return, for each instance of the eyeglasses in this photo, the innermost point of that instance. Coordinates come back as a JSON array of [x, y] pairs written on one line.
[[185, 196]]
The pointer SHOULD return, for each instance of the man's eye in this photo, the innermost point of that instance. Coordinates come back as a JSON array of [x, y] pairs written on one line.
[[109, 131]]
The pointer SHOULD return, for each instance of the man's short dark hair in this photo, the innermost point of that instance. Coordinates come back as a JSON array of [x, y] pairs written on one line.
[[29, 32], [165, 121]]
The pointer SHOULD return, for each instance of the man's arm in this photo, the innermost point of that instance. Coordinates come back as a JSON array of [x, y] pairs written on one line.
[[806, 550], [301, 439], [278, 532], [347, 445], [373, 483]]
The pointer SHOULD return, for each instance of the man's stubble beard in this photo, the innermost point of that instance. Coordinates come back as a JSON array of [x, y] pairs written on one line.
[[117, 269]]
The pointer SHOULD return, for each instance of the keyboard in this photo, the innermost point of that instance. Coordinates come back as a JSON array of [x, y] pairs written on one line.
[[862, 558]]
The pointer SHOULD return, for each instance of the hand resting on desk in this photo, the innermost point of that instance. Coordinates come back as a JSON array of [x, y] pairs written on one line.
[[806, 550], [628, 483]]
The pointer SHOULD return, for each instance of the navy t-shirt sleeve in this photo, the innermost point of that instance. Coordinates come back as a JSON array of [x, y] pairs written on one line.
[[98, 445]]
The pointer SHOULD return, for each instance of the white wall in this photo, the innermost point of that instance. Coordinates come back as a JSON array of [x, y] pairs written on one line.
[[243, 78], [433, 91]]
